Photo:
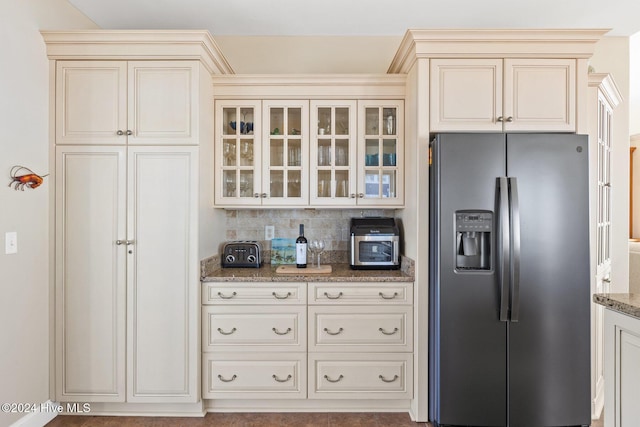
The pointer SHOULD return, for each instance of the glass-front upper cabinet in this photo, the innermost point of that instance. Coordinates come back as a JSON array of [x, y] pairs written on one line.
[[333, 153], [237, 153], [380, 153], [285, 136]]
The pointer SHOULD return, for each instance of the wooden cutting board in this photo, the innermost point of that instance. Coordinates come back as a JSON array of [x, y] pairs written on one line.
[[292, 269]]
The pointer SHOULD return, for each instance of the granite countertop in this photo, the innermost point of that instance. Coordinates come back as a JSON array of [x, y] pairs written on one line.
[[628, 304], [340, 273]]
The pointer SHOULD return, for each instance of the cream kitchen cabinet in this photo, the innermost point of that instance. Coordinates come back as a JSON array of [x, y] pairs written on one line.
[[360, 340], [317, 153], [493, 94], [126, 274], [262, 153], [254, 340], [604, 97], [622, 370], [134, 102]]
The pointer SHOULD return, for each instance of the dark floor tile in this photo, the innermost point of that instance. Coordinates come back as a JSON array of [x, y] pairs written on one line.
[[261, 419], [352, 419]]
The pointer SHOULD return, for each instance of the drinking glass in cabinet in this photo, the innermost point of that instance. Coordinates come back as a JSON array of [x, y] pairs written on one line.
[[246, 183], [229, 152], [324, 184], [276, 184], [246, 152], [389, 152], [229, 178], [342, 180], [372, 121], [342, 152], [372, 157], [230, 121], [324, 121], [388, 183], [276, 152], [295, 153], [342, 121], [389, 115], [324, 152], [293, 184]]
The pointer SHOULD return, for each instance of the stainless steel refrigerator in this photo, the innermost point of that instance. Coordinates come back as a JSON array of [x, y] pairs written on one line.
[[509, 280]]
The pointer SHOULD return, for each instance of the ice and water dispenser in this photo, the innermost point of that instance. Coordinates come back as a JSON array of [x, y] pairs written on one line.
[[473, 236]]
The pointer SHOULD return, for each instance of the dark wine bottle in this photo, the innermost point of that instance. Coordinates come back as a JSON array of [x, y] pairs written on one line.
[[301, 249]]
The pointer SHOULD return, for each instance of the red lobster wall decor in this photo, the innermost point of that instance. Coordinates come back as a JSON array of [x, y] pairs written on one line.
[[31, 179]]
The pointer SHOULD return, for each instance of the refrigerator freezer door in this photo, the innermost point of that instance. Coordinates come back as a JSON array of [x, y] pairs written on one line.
[[549, 345], [467, 341]]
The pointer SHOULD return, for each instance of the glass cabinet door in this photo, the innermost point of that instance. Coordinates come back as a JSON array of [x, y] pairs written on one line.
[[237, 153], [380, 153], [286, 139], [333, 152]]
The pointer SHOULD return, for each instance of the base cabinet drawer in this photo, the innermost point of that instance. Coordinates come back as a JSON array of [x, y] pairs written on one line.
[[260, 328], [254, 376], [215, 293], [360, 376], [400, 293], [360, 328]]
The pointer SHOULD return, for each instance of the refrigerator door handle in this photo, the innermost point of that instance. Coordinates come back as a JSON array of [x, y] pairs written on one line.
[[504, 250], [514, 210]]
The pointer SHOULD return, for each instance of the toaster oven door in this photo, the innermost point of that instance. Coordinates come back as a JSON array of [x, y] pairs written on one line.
[[375, 251]]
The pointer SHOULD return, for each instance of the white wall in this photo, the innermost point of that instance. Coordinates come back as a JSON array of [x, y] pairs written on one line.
[[24, 120], [612, 56]]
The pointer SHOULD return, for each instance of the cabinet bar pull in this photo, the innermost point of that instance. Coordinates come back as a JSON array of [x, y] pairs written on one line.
[[227, 333], [388, 333], [276, 296], [326, 294], [281, 333], [281, 381], [326, 377], [223, 296], [395, 294], [395, 377], [333, 333], [227, 381]]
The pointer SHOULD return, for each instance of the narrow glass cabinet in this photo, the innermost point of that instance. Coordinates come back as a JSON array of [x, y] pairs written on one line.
[[285, 138], [380, 153], [333, 153], [238, 153]]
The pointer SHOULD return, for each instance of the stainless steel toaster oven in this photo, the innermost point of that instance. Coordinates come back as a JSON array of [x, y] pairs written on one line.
[[375, 243]]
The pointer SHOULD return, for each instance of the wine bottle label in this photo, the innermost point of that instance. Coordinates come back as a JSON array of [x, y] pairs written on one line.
[[301, 253]]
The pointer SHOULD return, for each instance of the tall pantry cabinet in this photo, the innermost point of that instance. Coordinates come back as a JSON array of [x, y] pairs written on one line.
[[133, 150]]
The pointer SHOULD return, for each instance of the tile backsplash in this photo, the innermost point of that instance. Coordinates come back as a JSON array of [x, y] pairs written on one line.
[[332, 225]]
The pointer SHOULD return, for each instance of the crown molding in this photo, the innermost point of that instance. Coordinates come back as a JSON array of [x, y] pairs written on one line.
[[137, 45], [485, 43], [608, 86]]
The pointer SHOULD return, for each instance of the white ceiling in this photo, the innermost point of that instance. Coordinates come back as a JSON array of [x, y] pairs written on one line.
[[359, 17], [254, 35]]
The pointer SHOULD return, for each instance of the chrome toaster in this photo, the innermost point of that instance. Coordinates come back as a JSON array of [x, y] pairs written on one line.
[[242, 253]]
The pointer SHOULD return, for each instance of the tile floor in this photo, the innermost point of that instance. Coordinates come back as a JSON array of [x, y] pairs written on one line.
[[246, 420], [252, 420]]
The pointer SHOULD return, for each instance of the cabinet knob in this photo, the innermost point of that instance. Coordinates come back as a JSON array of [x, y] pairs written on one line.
[[129, 132], [264, 195], [352, 195], [606, 184], [256, 195], [121, 242], [361, 195], [120, 133], [509, 119], [500, 119]]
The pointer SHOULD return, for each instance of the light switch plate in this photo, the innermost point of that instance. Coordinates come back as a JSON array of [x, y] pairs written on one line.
[[11, 242]]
